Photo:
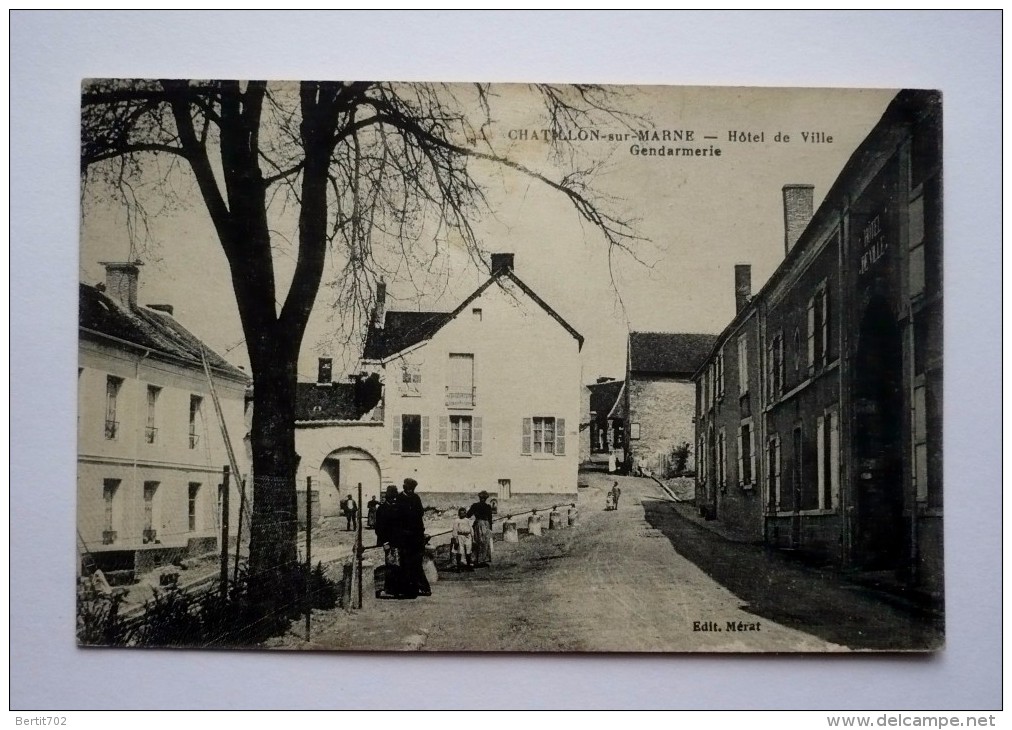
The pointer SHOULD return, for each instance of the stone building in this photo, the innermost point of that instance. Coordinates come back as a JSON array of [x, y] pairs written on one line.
[[659, 398], [849, 364], [150, 449]]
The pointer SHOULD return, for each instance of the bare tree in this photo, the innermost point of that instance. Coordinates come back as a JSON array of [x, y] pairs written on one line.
[[365, 164]]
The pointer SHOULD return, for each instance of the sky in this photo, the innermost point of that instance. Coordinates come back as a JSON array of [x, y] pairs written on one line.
[[697, 217]]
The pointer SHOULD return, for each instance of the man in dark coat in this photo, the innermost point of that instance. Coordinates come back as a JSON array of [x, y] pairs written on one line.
[[387, 535], [410, 519]]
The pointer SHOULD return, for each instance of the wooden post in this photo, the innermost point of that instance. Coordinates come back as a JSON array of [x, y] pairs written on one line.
[[358, 547], [309, 553], [238, 529], [223, 577]]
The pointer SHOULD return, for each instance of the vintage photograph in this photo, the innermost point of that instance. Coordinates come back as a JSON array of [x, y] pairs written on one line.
[[380, 366]]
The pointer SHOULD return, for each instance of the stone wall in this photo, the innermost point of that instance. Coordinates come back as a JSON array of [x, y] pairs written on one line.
[[664, 409]]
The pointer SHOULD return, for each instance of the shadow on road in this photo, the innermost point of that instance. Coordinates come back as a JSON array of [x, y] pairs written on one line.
[[807, 599]]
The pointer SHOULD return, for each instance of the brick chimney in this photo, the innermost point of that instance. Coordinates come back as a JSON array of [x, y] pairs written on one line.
[[121, 281], [379, 314], [326, 371], [797, 213], [502, 262], [742, 286]]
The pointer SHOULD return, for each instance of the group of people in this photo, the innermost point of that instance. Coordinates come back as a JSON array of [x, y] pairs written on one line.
[[611, 498], [400, 531], [471, 542]]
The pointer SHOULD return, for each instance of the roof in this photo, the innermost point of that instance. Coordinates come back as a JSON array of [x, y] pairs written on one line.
[[603, 396], [402, 330], [668, 353], [148, 329], [326, 402]]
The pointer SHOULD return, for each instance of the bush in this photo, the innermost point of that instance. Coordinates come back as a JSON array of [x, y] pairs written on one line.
[[679, 459]]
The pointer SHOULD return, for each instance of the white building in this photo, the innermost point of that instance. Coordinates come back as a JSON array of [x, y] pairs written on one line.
[[487, 396], [150, 450]]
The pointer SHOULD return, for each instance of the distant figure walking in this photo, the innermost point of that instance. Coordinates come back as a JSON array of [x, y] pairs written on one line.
[[370, 516], [481, 511], [350, 513], [617, 491]]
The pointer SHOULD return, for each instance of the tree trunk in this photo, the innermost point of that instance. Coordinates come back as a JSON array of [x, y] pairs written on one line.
[[274, 528]]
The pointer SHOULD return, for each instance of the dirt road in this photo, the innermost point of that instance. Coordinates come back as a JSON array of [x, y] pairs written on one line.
[[612, 583]]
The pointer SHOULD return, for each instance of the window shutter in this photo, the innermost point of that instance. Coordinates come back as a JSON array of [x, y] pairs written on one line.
[[525, 440], [752, 454], [476, 435], [834, 461], [741, 463], [444, 426], [396, 441], [811, 334], [425, 434], [824, 355], [722, 447], [776, 468], [820, 446], [560, 436]]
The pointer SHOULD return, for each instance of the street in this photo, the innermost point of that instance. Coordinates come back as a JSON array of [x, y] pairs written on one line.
[[616, 582]]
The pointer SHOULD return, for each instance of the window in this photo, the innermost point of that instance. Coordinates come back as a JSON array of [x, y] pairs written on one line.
[[544, 435], [411, 379], [773, 454], [719, 375], [818, 329], [460, 388], [746, 456], [195, 403], [150, 512], [110, 488], [476, 313], [797, 443], [411, 434], [192, 507], [460, 434], [915, 217], [743, 364], [722, 458], [634, 431], [775, 359], [112, 388], [151, 429], [828, 458]]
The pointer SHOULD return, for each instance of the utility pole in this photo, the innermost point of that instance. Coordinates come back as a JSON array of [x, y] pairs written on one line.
[[309, 553], [223, 577]]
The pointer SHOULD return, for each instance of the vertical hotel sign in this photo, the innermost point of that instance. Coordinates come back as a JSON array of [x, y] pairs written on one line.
[[874, 241]]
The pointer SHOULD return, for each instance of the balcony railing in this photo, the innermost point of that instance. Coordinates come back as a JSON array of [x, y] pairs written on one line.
[[111, 429], [457, 397], [150, 433]]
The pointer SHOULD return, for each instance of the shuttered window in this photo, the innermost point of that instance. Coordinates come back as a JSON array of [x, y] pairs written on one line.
[[525, 436]]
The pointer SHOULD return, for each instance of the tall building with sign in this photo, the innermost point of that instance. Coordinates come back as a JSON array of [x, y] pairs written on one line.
[[845, 436]]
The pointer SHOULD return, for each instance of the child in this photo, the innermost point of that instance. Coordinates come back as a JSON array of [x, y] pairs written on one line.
[[461, 542]]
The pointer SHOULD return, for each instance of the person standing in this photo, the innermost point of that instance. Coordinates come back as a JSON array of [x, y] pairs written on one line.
[[461, 542], [411, 524], [387, 534], [481, 511], [370, 516], [350, 513]]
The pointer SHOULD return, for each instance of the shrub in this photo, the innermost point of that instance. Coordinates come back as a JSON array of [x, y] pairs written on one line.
[[679, 459]]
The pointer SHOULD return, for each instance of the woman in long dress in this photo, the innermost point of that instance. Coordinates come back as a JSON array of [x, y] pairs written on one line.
[[481, 511]]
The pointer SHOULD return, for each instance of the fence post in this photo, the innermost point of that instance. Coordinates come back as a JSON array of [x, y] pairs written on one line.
[[309, 554], [358, 547], [223, 576]]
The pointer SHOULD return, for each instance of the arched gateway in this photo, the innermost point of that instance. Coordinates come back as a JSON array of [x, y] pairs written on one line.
[[341, 471]]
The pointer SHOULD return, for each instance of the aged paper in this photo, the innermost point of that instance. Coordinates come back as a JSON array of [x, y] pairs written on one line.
[[468, 367]]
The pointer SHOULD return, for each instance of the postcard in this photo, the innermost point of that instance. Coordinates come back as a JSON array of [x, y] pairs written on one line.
[[382, 366]]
